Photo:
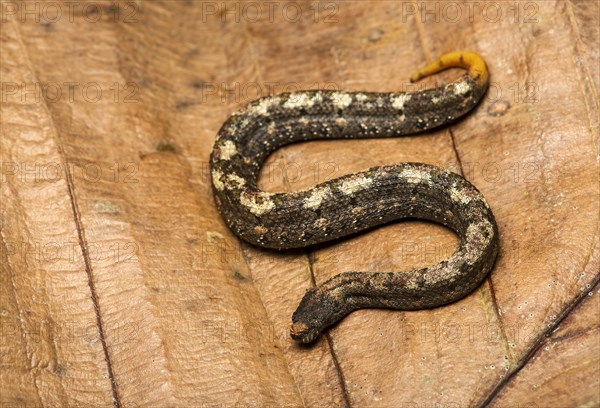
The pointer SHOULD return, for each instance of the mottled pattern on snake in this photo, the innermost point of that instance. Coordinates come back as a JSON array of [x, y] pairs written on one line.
[[359, 201]]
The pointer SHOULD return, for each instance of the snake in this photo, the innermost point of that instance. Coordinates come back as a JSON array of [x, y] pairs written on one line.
[[360, 201]]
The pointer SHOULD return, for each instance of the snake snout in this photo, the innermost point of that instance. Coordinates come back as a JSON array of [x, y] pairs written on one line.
[[301, 332]]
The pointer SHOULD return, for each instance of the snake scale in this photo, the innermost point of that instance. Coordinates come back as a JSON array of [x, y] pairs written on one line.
[[362, 200]]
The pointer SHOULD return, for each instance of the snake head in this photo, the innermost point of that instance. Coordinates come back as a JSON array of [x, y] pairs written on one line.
[[318, 309], [306, 319]]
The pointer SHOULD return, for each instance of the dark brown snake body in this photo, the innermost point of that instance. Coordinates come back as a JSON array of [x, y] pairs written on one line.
[[358, 201]]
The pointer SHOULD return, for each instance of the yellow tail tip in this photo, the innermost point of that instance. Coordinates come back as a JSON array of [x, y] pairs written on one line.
[[468, 60]]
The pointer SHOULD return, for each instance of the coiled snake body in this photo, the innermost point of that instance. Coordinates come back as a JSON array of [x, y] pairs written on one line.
[[358, 201]]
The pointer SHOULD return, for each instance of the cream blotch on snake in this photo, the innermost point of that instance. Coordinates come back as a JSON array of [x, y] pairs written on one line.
[[359, 201]]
